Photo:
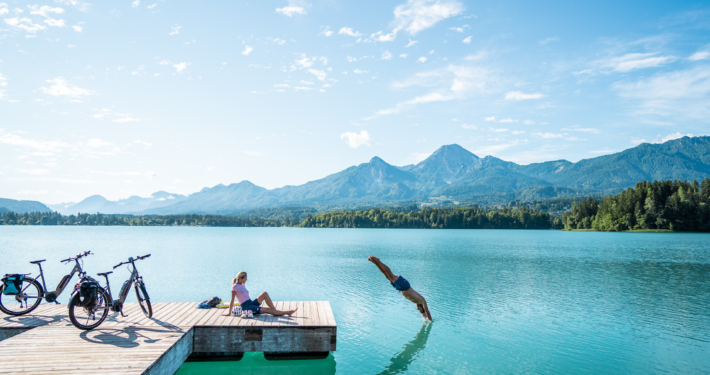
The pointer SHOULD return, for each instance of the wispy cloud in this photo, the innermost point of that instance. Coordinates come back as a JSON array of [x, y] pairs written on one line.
[[415, 16], [176, 30], [60, 87], [350, 32], [549, 40], [356, 140], [247, 50], [289, 11], [518, 95]]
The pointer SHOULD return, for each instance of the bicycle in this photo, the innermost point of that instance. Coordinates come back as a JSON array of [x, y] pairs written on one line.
[[104, 299], [31, 292]]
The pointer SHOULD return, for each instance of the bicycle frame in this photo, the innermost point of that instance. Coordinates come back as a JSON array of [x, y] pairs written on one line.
[[52, 296], [135, 279]]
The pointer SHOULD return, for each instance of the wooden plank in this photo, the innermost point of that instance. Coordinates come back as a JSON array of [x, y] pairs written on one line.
[[329, 312]]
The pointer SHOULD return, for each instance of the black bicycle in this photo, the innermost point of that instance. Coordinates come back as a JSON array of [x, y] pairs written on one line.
[[87, 312], [29, 292]]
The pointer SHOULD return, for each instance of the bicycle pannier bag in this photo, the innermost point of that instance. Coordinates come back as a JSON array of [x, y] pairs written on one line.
[[88, 293], [13, 284]]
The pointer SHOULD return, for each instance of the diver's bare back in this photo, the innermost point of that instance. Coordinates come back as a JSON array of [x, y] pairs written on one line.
[[402, 285]]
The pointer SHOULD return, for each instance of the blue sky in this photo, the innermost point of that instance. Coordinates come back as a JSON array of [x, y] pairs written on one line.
[[129, 97]]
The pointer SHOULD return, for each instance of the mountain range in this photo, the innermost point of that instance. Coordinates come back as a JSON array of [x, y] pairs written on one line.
[[450, 174]]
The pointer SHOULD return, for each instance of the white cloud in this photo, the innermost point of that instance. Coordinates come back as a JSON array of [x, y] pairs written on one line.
[[180, 182], [303, 62], [494, 149], [702, 55], [3, 80], [498, 130], [633, 61], [136, 3], [78, 28], [382, 37], [508, 120], [142, 143], [673, 136], [556, 136], [528, 122], [467, 40], [96, 143], [60, 87], [577, 128], [327, 32], [164, 62], [358, 71], [54, 23], [404, 55], [306, 82], [422, 59], [176, 30], [467, 126], [387, 55], [3, 9], [356, 140], [351, 59], [417, 15], [181, 66], [349, 31], [44, 146], [247, 50], [549, 40], [517, 95], [291, 10], [43, 10], [682, 94], [452, 82], [24, 24], [492, 118], [411, 43], [517, 132], [318, 73], [152, 6]]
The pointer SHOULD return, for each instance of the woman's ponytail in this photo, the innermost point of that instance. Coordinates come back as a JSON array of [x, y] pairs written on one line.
[[240, 275]]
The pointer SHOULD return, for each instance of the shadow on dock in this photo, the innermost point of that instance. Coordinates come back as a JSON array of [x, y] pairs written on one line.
[[129, 337]]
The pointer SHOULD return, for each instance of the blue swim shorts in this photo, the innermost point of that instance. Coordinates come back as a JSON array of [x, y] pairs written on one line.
[[401, 284], [252, 305]]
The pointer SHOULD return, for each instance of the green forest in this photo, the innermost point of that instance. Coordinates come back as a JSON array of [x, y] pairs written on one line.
[[661, 205], [436, 218], [54, 218]]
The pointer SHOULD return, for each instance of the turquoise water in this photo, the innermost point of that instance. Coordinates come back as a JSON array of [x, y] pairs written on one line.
[[502, 301]]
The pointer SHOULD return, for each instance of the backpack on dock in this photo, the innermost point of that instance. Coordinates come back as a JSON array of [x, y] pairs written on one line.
[[13, 284]]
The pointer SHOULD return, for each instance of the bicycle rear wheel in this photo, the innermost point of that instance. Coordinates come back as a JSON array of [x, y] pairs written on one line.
[[143, 299], [22, 303], [89, 318]]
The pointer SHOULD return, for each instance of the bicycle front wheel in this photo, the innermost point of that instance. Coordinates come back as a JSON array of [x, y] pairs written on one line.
[[87, 318], [143, 299], [21, 303]]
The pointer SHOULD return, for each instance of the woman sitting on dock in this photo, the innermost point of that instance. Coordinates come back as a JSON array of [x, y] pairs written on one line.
[[242, 294]]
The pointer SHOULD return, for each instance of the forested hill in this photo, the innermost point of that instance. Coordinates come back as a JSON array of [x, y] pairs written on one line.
[[22, 206], [660, 205], [436, 218]]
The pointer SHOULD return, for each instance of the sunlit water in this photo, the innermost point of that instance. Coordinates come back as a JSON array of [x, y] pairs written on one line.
[[502, 301]]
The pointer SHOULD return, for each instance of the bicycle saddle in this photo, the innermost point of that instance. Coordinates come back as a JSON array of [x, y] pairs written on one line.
[[38, 261], [105, 273]]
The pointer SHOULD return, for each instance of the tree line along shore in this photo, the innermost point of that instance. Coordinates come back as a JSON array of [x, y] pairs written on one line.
[[649, 206]]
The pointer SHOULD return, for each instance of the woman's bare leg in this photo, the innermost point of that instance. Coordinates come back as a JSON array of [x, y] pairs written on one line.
[[265, 297], [383, 268], [266, 310]]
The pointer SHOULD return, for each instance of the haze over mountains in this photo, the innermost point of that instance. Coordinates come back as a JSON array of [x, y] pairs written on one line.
[[452, 173]]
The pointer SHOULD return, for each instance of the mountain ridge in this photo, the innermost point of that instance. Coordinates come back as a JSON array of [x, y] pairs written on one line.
[[456, 174]]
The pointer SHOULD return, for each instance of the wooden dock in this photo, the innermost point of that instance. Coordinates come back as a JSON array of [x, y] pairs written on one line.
[[45, 342]]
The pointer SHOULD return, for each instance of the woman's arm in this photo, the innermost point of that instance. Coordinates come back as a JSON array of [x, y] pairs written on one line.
[[231, 304]]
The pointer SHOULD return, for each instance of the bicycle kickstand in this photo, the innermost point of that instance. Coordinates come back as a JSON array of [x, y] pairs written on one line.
[[122, 314]]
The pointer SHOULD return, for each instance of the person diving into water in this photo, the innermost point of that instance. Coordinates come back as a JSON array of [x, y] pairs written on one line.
[[402, 285]]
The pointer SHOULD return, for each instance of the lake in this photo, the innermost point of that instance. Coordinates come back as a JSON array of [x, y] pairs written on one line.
[[503, 301]]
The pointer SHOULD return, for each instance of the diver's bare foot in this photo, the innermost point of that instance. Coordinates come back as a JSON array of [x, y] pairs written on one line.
[[290, 312], [373, 259]]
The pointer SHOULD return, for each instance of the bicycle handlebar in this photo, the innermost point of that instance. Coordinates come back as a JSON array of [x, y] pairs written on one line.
[[131, 260], [78, 256]]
